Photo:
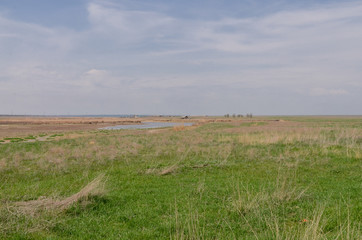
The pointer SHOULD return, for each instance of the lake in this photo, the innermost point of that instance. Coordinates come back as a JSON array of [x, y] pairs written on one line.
[[147, 125]]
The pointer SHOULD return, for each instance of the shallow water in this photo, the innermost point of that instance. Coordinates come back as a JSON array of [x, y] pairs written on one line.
[[146, 125]]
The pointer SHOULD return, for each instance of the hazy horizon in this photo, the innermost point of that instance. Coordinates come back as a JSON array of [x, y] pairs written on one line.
[[92, 57], [170, 115]]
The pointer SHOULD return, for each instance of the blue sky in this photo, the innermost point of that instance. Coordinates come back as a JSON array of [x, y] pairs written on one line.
[[180, 57]]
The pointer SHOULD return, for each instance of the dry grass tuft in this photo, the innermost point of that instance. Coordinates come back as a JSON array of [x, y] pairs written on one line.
[[286, 190], [161, 172], [314, 229], [247, 201], [94, 188], [151, 171], [179, 128], [308, 229], [188, 227], [200, 165], [168, 170]]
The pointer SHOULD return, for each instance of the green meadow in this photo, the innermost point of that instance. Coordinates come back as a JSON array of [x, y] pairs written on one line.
[[298, 178]]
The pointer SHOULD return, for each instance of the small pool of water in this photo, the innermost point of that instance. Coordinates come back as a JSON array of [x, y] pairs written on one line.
[[146, 125]]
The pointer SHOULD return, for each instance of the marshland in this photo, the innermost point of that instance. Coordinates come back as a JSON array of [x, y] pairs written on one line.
[[221, 178]]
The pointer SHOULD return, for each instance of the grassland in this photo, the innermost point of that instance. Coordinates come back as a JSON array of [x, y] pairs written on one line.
[[298, 178]]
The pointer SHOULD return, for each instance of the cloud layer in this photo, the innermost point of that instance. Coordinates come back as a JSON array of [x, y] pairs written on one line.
[[137, 59]]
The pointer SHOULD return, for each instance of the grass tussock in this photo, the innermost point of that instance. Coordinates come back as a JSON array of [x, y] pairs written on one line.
[[163, 171], [95, 188], [189, 227], [169, 170], [246, 200], [306, 229], [286, 189]]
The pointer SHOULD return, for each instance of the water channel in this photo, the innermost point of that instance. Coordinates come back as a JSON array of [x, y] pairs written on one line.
[[146, 125]]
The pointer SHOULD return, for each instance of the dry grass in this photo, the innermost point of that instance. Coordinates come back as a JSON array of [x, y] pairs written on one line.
[[169, 170], [94, 188], [328, 140], [189, 229], [178, 128], [313, 230], [23, 126], [286, 189], [247, 200], [65, 120], [308, 229], [162, 172], [121, 145]]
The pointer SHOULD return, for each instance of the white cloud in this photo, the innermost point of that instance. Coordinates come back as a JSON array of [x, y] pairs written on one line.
[[146, 52], [96, 72], [127, 25], [310, 17]]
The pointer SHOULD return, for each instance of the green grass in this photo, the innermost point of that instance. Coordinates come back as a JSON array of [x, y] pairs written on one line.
[[30, 137], [56, 135], [15, 139], [253, 124], [217, 181]]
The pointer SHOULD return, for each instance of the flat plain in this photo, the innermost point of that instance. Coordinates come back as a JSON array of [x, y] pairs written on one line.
[[223, 178]]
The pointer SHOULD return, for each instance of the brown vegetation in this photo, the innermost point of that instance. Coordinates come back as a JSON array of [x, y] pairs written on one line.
[[24, 126], [94, 188]]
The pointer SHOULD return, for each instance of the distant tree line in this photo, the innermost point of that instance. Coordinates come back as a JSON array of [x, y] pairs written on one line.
[[248, 115]]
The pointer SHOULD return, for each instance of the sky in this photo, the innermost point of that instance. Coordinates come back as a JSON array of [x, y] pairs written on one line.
[[199, 57]]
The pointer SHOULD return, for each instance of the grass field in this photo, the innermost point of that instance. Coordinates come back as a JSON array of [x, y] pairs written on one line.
[[298, 178]]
